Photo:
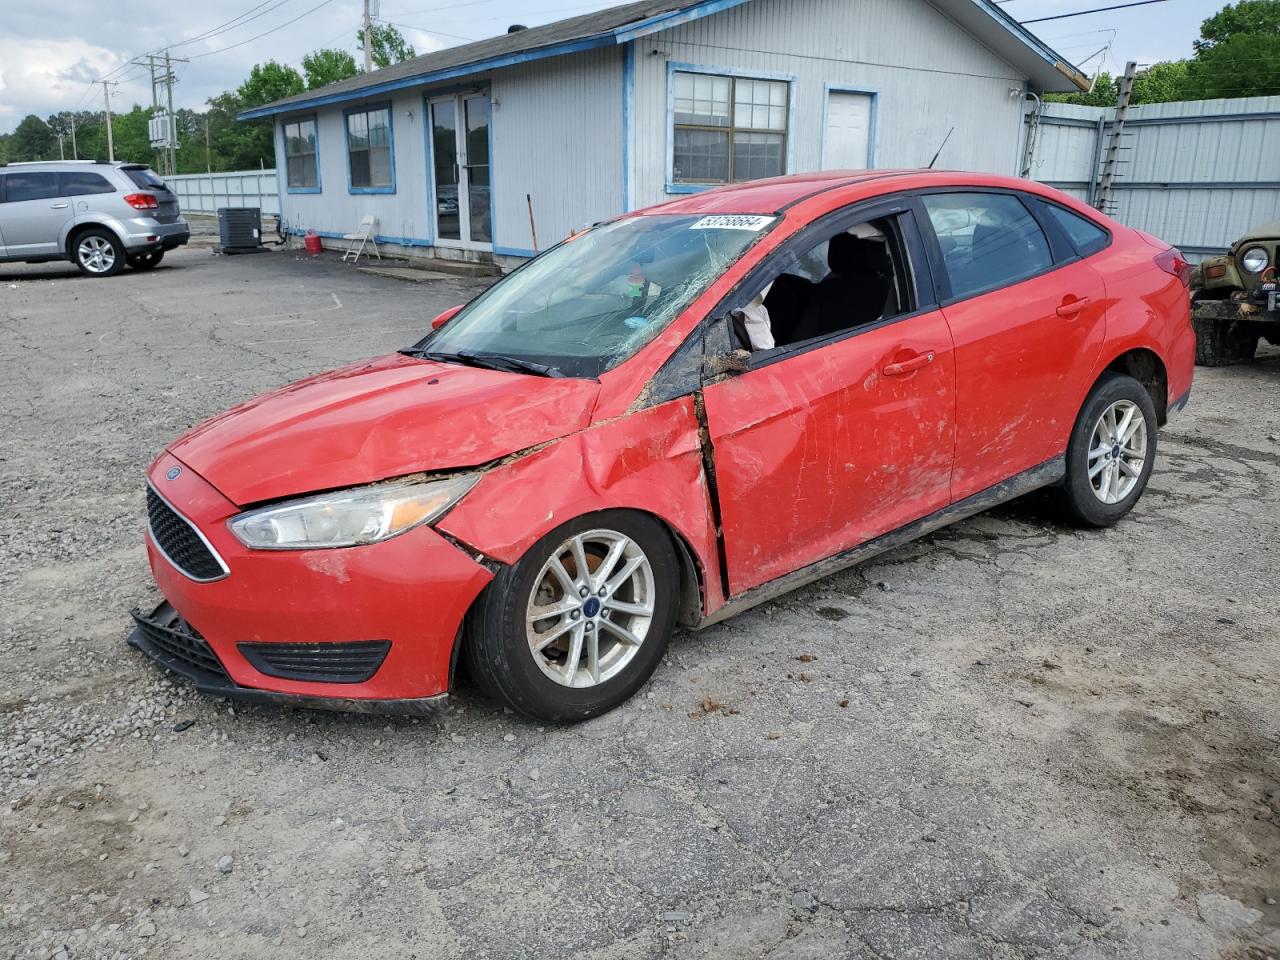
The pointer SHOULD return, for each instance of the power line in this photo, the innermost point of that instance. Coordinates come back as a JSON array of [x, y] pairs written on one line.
[[234, 23], [1081, 13], [210, 53]]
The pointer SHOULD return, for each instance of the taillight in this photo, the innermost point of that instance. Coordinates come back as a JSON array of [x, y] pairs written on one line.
[[1171, 261], [142, 201]]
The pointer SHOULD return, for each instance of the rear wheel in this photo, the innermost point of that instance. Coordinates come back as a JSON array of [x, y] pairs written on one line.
[[1111, 451], [146, 261], [98, 253], [578, 624]]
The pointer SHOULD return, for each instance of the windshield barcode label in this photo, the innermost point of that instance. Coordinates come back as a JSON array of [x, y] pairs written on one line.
[[732, 222]]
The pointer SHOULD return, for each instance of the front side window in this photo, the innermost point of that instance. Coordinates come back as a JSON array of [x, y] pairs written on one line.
[[988, 240], [30, 186], [590, 303], [301, 171], [369, 149], [727, 129]]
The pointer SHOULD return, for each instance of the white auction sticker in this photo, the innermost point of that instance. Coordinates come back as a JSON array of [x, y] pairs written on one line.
[[734, 221]]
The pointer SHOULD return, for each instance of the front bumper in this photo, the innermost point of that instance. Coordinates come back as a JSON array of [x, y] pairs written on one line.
[[199, 665], [411, 592]]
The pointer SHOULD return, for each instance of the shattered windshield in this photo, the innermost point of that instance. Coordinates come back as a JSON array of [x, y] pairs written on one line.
[[594, 300]]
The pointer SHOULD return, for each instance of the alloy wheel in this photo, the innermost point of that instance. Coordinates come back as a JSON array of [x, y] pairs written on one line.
[[590, 609], [1117, 451], [96, 254]]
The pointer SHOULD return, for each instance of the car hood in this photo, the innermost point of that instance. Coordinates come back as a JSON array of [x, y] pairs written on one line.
[[382, 418]]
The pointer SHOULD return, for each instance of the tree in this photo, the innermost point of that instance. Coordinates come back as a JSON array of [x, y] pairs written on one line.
[[1245, 65], [1160, 83], [1245, 17], [32, 140], [323, 67], [268, 82], [387, 45]]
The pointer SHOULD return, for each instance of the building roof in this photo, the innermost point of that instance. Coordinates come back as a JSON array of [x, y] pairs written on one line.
[[618, 25]]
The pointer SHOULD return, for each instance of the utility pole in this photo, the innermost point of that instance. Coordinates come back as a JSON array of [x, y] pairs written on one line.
[[172, 126], [62, 154], [208, 163], [106, 96], [1112, 160], [75, 154], [368, 39]]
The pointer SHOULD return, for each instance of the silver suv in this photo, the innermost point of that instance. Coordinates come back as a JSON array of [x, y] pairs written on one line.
[[98, 215]]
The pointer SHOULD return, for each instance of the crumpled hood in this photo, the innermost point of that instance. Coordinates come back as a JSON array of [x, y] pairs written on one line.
[[381, 418]]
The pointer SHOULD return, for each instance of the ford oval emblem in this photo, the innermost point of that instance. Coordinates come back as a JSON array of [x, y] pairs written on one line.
[[173, 473]]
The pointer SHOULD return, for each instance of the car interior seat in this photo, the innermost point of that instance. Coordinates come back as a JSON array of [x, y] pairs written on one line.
[[856, 290]]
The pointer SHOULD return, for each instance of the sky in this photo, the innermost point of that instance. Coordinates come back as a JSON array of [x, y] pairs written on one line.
[[51, 52]]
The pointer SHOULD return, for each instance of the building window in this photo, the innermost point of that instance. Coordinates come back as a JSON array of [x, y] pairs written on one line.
[[301, 170], [369, 154], [727, 129]]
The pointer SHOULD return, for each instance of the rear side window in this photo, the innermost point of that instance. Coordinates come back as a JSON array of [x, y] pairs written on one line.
[[144, 178], [79, 184], [29, 186], [1086, 236], [988, 240]]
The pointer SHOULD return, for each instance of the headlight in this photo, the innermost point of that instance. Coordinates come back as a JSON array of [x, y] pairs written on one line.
[[349, 517], [1255, 259]]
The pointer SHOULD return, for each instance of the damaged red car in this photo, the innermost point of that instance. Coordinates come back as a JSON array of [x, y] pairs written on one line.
[[664, 420]]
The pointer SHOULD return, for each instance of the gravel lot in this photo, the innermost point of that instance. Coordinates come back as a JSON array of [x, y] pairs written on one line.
[[1012, 739]]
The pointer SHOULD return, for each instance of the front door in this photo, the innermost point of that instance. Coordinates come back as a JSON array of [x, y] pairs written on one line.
[[838, 438], [846, 142], [460, 171]]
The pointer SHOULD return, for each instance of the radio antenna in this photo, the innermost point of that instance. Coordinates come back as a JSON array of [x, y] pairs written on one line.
[[940, 146]]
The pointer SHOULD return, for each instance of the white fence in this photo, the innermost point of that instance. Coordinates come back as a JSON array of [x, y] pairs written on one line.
[[1197, 174], [206, 192]]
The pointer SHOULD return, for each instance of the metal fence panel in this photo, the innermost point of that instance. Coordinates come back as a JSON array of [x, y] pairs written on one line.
[[1196, 173], [206, 192]]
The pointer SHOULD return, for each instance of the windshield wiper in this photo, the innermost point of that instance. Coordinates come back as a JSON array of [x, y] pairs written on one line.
[[488, 361]]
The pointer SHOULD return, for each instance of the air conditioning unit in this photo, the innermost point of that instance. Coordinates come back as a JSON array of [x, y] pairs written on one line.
[[240, 229]]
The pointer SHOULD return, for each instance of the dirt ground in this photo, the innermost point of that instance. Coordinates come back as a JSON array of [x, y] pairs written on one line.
[[1010, 740]]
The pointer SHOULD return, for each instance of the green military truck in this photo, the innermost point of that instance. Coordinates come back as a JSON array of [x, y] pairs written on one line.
[[1234, 301]]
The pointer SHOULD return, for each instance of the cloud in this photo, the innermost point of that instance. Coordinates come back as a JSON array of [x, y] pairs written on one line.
[[48, 75]]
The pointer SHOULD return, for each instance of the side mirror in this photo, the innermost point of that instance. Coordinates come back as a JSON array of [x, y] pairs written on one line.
[[445, 316]]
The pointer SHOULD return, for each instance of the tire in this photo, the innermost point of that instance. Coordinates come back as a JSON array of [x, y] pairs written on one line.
[[145, 261], [499, 644], [1114, 393], [1221, 337], [98, 253]]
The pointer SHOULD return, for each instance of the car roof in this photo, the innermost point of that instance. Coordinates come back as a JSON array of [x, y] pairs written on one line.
[[780, 193], [71, 165]]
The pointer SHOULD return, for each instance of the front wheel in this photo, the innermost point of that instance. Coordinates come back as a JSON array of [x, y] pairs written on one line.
[[98, 253], [1111, 451], [579, 623], [146, 261]]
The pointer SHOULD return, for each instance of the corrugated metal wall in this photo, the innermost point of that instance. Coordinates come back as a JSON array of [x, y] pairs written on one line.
[[206, 192], [929, 75], [1197, 174]]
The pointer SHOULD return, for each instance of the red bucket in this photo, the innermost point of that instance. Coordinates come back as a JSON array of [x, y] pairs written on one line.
[[312, 242]]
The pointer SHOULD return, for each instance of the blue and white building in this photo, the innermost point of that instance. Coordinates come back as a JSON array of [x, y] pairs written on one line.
[[592, 116]]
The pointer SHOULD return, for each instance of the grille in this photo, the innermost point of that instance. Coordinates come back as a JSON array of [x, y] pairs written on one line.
[[181, 544], [352, 662], [178, 640]]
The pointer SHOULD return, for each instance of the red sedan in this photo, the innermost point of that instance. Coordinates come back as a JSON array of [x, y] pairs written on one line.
[[665, 419]]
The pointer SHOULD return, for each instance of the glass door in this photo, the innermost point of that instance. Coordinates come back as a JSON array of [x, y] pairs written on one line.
[[460, 170]]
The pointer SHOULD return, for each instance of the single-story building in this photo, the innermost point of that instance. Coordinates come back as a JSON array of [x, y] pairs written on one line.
[[488, 150]]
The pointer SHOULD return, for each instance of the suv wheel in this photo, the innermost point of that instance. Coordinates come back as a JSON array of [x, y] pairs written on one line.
[[145, 261], [98, 253]]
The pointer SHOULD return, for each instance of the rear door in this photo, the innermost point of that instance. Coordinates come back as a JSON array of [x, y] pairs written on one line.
[[1028, 318], [33, 213]]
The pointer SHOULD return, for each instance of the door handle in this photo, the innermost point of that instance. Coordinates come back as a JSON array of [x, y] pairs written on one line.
[[59, 206], [1072, 308], [903, 367]]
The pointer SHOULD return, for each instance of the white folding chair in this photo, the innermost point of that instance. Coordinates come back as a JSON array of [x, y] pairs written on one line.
[[363, 235]]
